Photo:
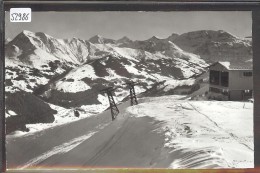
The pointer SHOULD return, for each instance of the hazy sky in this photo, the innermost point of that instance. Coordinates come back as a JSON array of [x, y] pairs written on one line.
[[135, 25]]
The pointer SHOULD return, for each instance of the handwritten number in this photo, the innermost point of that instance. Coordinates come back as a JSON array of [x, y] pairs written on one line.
[[19, 16]]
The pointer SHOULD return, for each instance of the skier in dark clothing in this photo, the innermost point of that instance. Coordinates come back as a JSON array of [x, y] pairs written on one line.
[[76, 113]]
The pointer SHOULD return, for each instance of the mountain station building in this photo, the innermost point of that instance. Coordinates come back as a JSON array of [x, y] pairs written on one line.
[[231, 81]]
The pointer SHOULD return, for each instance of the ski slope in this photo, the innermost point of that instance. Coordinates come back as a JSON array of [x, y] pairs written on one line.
[[160, 132], [219, 132]]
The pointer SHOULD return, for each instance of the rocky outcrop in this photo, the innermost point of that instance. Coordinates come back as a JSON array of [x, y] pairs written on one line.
[[29, 109]]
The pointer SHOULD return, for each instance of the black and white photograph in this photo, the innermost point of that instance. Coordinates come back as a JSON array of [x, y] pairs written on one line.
[[121, 89]]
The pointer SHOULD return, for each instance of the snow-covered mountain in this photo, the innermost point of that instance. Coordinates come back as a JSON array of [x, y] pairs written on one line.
[[215, 46], [210, 45], [70, 73], [97, 39], [172, 37], [41, 57], [124, 40]]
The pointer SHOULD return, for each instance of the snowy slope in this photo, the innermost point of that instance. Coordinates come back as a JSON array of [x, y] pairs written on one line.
[[107, 64], [199, 136], [123, 64]]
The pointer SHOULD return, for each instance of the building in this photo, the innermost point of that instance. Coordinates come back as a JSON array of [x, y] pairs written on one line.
[[230, 81]]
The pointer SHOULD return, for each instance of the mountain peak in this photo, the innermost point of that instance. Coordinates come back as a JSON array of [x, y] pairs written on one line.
[[172, 37], [204, 36], [154, 38], [210, 33], [23, 38], [97, 39], [24, 35], [124, 40], [227, 34], [174, 34], [97, 36], [26, 32], [34, 34]]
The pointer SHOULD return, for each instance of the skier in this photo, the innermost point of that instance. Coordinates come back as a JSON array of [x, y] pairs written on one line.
[[76, 113]]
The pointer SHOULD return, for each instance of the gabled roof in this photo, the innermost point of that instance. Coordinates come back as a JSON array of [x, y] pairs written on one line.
[[236, 65]]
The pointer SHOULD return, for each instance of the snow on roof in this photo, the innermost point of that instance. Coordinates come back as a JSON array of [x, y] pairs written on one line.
[[237, 65], [225, 64]]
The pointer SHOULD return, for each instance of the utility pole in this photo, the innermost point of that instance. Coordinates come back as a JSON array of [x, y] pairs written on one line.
[[113, 107], [131, 86]]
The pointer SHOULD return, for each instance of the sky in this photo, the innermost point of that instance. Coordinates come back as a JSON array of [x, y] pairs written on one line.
[[134, 25]]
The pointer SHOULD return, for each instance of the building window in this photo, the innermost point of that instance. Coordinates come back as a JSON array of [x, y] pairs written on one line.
[[224, 79], [214, 77], [247, 74]]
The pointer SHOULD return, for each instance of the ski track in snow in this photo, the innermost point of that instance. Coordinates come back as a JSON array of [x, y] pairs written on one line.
[[63, 148], [230, 134], [199, 136]]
